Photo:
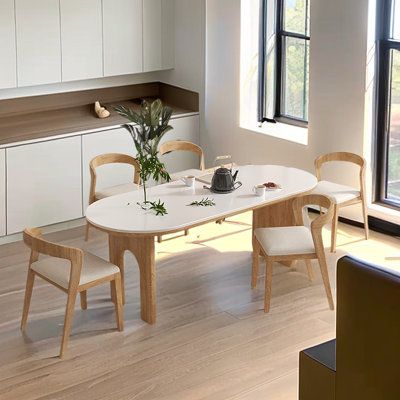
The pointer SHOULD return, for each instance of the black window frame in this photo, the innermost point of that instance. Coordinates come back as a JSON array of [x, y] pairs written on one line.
[[383, 88], [281, 35]]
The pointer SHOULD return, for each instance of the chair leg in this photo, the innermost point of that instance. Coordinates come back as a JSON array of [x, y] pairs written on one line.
[[334, 228], [119, 311], [365, 216], [325, 278], [28, 295], [256, 263], [309, 270], [69, 314], [159, 239], [83, 296], [87, 231], [268, 285], [186, 232]]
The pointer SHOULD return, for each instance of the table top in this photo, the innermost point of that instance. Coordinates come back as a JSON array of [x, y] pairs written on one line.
[[122, 214]]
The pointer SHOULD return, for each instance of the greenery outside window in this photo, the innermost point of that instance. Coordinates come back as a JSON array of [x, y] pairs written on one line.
[[388, 104], [284, 61]]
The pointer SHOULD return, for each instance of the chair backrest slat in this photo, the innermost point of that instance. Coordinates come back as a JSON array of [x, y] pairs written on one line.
[[182, 145]]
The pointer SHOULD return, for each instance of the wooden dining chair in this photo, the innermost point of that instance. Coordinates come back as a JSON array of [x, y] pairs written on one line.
[[342, 195], [71, 270], [292, 243], [111, 158], [182, 145]]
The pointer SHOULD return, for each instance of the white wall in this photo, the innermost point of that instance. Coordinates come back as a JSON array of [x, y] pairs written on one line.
[[337, 87]]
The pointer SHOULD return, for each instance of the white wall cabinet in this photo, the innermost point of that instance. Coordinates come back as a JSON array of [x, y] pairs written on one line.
[[123, 36], [2, 192], [44, 183], [81, 39], [111, 141], [168, 34], [186, 128], [152, 35], [38, 42], [8, 52]]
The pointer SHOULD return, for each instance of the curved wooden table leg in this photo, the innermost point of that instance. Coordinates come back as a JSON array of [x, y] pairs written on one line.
[[142, 247]]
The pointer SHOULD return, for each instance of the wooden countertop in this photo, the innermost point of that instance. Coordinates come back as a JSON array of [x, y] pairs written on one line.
[[60, 122], [42, 123]]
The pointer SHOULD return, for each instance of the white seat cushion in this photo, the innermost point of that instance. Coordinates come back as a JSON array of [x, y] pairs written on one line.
[[286, 240], [57, 270], [188, 172], [338, 193], [114, 190]]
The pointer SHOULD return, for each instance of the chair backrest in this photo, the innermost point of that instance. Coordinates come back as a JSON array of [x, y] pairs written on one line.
[[320, 200], [33, 239], [344, 157], [110, 158], [182, 145], [367, 331]]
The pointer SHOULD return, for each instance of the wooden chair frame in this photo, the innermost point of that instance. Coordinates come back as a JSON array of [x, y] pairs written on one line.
[[33, 239], [182, 145], [354, 159], [316, 231], [109, 158]]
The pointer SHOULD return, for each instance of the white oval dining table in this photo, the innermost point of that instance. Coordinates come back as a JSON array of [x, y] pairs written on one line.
[[130, 228]]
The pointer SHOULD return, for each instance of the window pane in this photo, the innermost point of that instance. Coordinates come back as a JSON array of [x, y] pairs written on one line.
[[396, 20], [296, 16], [295, 78], [393, 173]]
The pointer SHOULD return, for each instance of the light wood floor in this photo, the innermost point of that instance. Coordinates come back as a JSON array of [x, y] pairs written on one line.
[[212, 339]]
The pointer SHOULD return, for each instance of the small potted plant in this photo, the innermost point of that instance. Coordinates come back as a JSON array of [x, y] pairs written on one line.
[[147, 128]]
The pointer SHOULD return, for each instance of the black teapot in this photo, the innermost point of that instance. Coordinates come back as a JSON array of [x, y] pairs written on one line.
[[223, 180]]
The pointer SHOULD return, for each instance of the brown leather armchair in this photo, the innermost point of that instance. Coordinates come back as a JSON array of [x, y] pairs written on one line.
[[364, 360]]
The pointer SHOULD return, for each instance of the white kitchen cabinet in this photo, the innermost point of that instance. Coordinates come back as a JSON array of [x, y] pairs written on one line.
[[123, 36], [152, 35], [38, 41], [168, 34], [2, 192], [186, 128], [44, 183], [110, 141], [8, 52], [81, 39], [158, 34]]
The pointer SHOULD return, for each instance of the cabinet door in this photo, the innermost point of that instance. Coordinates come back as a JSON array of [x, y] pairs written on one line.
[[8, 59], [2, 192], [38, 41], [168, 34], [123, 36], [81, 39], [111, 141], [152, 35], [186, 128], [44, 183]]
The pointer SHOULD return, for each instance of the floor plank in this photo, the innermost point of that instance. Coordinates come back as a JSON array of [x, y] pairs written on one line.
[[212, 339]]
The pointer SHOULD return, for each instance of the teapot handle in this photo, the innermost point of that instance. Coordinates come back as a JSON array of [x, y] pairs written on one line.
[[223, 158]]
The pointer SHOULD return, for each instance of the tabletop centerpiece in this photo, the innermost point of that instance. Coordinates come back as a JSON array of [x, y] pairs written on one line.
[[147, 127]]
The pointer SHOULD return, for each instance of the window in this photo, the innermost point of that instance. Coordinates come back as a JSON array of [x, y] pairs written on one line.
[[284, 61], [388, 104]]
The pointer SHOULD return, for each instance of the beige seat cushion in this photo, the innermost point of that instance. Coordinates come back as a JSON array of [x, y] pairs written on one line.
[[286, 240], [114, 190], [57, 270], [179, 175], [338, 193]]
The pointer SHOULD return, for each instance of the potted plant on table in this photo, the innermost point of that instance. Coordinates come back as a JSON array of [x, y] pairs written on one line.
[[147, 128]]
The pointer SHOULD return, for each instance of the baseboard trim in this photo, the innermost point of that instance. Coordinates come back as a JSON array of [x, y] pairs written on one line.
[[375, 224]]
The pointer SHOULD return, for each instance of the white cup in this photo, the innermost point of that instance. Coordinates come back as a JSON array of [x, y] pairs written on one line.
[[189, 181], [259, 190]]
